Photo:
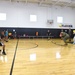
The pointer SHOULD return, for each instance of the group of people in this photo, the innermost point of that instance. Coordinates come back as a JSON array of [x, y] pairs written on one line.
[[3, 37], [64, 36]]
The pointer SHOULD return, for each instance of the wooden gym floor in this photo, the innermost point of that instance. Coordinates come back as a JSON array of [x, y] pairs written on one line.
[[38, 57]]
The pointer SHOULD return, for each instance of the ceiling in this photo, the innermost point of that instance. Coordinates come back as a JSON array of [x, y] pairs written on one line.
[[68, 3]]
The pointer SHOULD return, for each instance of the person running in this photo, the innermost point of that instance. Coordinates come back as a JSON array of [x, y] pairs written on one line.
[[64, 37], [2, 37]]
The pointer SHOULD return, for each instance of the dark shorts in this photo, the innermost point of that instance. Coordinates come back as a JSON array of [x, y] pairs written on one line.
[[1, 44]]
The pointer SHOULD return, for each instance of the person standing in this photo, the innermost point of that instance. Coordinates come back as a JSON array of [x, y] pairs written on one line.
[[6, 35], [2, 38], [48, 34]]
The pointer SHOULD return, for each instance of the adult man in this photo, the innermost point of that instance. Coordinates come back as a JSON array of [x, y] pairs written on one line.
[[64, 37]]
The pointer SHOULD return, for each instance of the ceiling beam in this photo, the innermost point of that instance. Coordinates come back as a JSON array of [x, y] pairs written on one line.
[[69, 3], [56, 2], [41, 1], [26, 1], [10, 0]]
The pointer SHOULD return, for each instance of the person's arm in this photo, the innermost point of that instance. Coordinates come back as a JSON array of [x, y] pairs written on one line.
[[49, 33], [0, 39], [60, 35]]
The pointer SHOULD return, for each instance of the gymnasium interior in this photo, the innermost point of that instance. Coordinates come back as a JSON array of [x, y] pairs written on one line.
[[29, 50]]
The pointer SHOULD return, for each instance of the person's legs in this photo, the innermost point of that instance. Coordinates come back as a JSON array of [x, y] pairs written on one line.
[[48, 37], [4, 50], [6, 38], [3, 47], [69, 39], [65, 39]]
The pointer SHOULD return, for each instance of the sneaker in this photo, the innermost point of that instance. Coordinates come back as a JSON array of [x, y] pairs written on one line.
[[6, 41], [0, 50], [66, 44], [3, 53]]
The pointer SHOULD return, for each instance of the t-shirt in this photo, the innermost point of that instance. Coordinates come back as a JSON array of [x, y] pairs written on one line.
[[64, 34], [6, 33], [2, 36], [48, 33]]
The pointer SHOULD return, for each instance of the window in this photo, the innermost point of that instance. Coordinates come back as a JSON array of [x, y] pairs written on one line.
[[2, 16], [33, 18], [59, 19]]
